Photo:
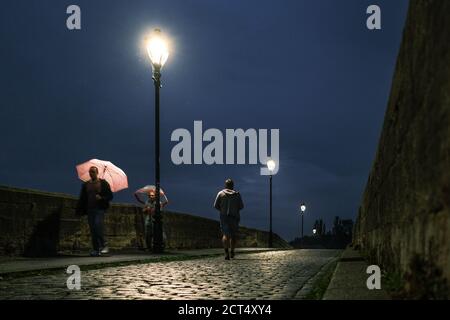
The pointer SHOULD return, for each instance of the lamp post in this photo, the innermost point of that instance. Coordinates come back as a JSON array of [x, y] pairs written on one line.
[[158, 52], [271, 166], [302, 211]]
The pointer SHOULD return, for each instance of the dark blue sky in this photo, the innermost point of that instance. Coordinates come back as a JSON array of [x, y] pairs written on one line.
[[310, 68]]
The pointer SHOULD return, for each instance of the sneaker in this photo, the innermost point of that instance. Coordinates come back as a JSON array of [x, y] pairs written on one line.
[[105, 250], [227, 257], [95, 253]]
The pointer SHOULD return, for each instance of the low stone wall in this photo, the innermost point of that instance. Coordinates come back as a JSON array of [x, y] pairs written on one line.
[[35, 223]]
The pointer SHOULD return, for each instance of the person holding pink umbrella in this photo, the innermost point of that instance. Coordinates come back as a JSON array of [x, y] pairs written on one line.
[[94, 199], [95, 196]]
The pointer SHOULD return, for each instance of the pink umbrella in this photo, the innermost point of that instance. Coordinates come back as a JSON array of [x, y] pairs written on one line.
[[115, 176]]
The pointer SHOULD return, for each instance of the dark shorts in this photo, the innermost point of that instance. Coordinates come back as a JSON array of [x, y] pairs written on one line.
[[229, 225]]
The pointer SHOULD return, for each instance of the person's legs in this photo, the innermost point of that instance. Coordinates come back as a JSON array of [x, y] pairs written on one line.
[[225, 238], [225, 242], [99, 224], [151, 226], [233, 238], [91, 222], [232, 245], [148, 231]]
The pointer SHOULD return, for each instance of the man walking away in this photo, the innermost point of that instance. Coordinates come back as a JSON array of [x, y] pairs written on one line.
[[229, 203], [94, 200]]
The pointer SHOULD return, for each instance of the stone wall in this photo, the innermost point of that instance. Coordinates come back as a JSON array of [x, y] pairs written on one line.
[[34, 223], [404, 219]]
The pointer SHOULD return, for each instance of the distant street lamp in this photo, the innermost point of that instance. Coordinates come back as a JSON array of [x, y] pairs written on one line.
[[158, 52], [314, 231], [302, 211], [271, 166]]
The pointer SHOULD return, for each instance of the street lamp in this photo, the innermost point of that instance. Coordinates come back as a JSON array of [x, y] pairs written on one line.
[[271, 166], [302, 211], [158, 52]]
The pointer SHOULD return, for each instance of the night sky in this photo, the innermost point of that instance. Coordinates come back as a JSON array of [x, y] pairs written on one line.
[[309, 68]]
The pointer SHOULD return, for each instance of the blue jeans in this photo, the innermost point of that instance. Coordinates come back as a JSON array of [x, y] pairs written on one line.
[[96, 222]]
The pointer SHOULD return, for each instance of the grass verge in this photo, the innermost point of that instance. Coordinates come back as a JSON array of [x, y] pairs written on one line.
[[320, 284]]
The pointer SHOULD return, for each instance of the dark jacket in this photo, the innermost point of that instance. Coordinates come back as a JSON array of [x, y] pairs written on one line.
[[103, 204], [229, 202]]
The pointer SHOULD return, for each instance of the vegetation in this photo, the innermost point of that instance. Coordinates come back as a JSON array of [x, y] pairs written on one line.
[[321, 283]]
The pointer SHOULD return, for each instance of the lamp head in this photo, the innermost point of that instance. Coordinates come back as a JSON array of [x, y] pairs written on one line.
[[271, 165], [302, 207], [157, 49]]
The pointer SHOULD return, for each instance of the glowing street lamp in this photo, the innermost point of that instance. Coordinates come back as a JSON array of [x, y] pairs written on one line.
[[158, 52], [271, 166], [302, 207], [302, 211], [157, 49]]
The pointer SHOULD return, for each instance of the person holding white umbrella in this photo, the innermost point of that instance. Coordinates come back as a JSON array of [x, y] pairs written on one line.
[[149, 203]]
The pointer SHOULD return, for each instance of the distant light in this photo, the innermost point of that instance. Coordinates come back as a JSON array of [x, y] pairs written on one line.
[[314, 231], [271, 165], [157, 49], [303, 207]]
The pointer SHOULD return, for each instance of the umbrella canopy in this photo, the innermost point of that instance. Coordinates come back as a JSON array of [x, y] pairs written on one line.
[[144, 192], [115, 176]]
